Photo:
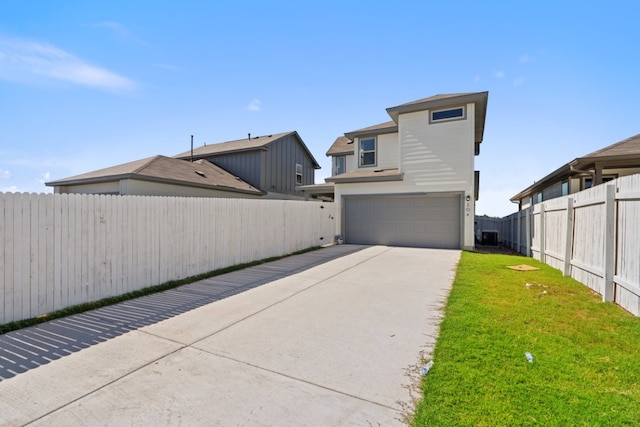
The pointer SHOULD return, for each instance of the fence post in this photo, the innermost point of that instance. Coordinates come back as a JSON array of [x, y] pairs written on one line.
[[568, 248], [609, 242], [541, 232], [517, 231], [528, 230]]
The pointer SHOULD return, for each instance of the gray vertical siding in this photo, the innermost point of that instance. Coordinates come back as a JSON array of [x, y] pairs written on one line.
[[246, 165], [281, 158], [272, 169]]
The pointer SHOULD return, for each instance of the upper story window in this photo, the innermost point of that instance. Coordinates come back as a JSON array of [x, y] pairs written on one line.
[[298, 174], [564, 188], [368, 151], [339, 165], [448, 114]]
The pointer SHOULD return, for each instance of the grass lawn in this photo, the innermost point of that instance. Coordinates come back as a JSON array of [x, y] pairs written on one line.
[[586, 354]]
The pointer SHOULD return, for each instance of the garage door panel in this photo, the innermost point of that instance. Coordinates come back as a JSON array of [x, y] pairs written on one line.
[[415, 220]]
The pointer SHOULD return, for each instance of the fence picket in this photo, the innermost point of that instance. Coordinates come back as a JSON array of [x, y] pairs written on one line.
[[65, 249], [597, 242]]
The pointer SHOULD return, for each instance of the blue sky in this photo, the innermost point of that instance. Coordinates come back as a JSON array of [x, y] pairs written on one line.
[[91, 84]]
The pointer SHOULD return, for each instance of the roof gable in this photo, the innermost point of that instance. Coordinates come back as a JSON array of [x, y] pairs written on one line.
[[448, 100], [246, 144]]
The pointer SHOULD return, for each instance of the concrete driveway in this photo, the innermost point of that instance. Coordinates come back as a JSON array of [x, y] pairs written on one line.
[[337, 344]]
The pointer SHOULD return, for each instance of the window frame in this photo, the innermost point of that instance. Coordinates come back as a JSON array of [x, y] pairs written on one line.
[[463, 116], [299, 175], [362, 152], [539, 197], [336, 164]]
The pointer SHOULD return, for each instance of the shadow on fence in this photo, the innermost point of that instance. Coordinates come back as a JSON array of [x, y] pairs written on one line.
[[31, 347]]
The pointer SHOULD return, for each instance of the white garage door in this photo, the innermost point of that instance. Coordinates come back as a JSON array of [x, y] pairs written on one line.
[[430, 221]]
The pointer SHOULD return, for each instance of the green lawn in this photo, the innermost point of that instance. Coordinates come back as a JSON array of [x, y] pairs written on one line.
[[586, 354]]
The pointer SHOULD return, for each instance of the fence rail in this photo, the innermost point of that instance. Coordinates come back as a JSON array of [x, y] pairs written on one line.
[[59, 250], [592, 236]]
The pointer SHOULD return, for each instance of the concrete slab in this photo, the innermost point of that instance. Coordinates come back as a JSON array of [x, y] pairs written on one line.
[[203, 322], [39, 392], [358, 332], [216, 392], [337, 344]]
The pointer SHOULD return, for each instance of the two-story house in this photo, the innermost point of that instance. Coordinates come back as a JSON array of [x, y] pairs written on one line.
[[270, 166], [276, 164], [411, 181]]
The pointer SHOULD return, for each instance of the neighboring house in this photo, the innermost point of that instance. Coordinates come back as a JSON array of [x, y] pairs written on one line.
[[159, 176], [275, 164], [619, 159], [411, 181]]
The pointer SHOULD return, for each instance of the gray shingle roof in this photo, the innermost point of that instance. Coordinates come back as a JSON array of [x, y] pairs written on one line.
[[342, 145], [626, 147], [369, 175], [159, 168], [238, 145], [625, 153]]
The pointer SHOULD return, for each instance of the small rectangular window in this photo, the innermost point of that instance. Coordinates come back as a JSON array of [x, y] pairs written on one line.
[[368, 152], [340, 165], [565, 188], [298, 174], [539, 197], [448, 114]]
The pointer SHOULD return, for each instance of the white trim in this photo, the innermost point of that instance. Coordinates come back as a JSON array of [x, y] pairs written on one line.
[[449, 119]]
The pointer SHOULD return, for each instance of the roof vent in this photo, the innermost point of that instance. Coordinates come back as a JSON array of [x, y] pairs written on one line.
[[201, 174]]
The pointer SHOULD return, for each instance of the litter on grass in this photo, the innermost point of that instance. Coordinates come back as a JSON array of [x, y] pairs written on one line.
[[426, 368], [534, 285], [522, 267], [529, 357]]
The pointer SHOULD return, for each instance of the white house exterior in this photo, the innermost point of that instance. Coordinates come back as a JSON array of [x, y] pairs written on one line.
[[412, 181]]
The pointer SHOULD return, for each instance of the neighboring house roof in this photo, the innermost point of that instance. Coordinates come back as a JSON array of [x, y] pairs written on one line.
[[448, 100], [367, 176], [164, 169], [247, 144], [342, 145], [625, 153]]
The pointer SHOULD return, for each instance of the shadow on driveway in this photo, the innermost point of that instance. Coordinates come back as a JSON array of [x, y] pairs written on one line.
[[31, 347]]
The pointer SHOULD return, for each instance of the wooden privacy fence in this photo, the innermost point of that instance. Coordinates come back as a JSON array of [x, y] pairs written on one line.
[[592, 236], [59, 250]]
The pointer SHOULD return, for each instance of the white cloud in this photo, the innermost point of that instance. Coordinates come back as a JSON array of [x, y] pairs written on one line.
[[22, 60], [12, 189], [255, 105], [44, 177], [476, 79], [499, 74], [518, 81], [121, 31], [526, 58], [5, 174]]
